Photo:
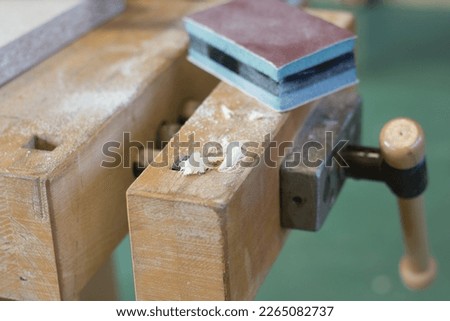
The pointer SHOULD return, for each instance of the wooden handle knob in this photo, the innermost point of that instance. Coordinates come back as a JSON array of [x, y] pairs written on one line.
[[402, 144]]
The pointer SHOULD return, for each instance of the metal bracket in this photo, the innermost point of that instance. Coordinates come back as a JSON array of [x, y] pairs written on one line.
[[310, 178], [310, 188]]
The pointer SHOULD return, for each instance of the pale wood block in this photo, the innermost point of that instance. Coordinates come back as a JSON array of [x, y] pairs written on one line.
[[62, 213], [213, 236]]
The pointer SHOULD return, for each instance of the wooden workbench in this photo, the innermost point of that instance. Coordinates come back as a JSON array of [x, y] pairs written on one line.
[[62, 213], [213, 236]]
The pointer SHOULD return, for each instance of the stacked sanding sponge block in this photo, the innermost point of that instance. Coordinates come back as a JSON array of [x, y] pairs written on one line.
[[274, 52]]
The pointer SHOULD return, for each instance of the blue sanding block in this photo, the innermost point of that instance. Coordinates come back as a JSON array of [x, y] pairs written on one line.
[[278, 54]]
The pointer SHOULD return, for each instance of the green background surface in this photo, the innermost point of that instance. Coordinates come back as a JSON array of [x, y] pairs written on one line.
[[404, 68]]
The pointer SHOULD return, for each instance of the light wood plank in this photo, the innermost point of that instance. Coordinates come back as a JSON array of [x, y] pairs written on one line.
[[62, 213], [213, 236]]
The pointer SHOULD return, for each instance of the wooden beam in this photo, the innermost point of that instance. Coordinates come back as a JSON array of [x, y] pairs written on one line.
[[213, 236], [61, 213]]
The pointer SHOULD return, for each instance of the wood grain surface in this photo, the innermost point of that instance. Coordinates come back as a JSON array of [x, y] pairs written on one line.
[[61, 213], [213, 236]]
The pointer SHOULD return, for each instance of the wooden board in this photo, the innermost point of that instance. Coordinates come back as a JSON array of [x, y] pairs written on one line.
[[212, 236], [61, 213], [32, 30]]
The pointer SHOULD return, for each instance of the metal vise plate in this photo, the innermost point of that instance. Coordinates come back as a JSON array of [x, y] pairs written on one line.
[[311, 178]]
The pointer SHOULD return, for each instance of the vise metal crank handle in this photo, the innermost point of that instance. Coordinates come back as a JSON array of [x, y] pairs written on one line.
[[307, 194]]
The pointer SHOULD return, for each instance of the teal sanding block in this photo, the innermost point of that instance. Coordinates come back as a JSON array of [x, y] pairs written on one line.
[[278, 54]]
